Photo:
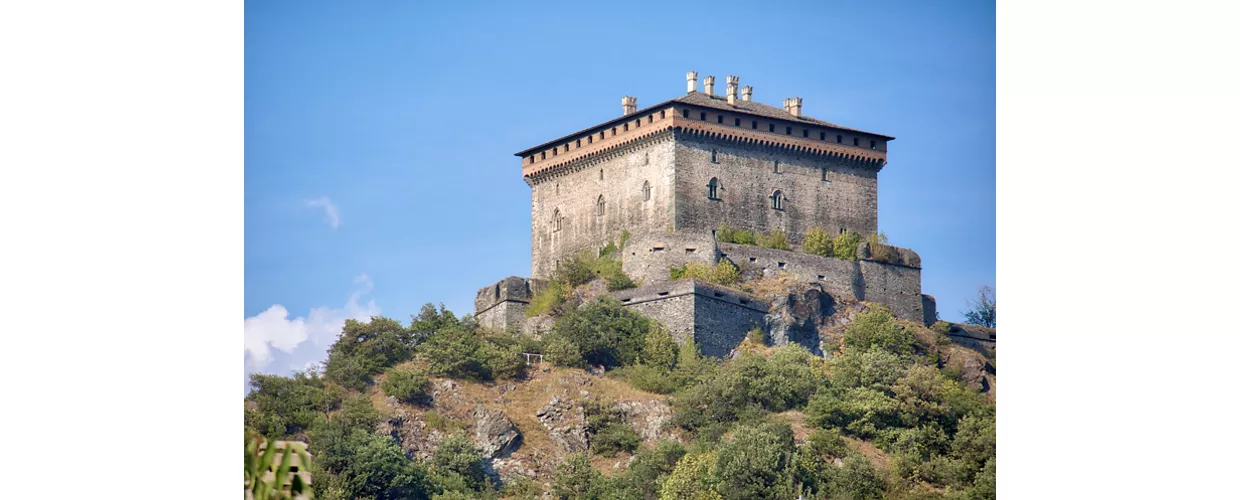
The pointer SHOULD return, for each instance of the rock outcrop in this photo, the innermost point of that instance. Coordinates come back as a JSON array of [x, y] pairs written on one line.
[[648, 418], [565, 421], [796, 316], [494, 433]]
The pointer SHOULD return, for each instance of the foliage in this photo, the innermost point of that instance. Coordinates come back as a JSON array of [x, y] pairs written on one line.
[[284, 406], [659, 349], [723, 272], [576, 479], [756, 336], [258, 463], [845, 245], [586, 266], [409, 386], [366, 349], [775, 239], [357, 412], [692, 479], [754, 464], [860, 411], [608, 434], [602, 333], [549, 299], [877, 328], [361, 464], [818, 242], [652, 466], [749, 386], [857, 479], [457, 465], [467, 353], [521, 487], [431, 320], [981, 310], [726, 234]]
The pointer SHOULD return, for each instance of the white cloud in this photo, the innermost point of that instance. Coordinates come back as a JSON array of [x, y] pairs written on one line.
[[331, 213], [302, 340]]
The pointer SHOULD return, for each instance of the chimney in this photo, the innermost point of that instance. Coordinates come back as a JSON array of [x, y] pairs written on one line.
[[794, 105], [747, 93], [733, 82], [710, 85], [629, 104], [691, 79]]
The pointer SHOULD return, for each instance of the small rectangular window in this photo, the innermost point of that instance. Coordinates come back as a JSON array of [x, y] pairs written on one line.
[[738, 122], [590, 140], [805, 133], [626, 127], [555, 152], [663, 294], [771, 127], [753, 259], [856, 141], [719, 119], [787, 130], [578, 143], [781, 265], [638, 123], [822, 136], [544, 155], [777, 166], [649, 118], [754, 125], [703, 116], [839, 139], [663, 114], [684, 113], [873, 144]]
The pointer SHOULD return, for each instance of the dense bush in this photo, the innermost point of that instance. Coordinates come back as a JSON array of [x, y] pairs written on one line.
[[877, 328], [354, 463], [845, 245], [775, 239], [466, 353], [755, 463], [692, 479], [726, 234], [652, 466], [586, 266], [409, 386], [549, 299], [457, 465], [747, 387], [608, 435], [366, 349], [723, 272], [284, 406], [576, 479], [602, 333], [818, 242]]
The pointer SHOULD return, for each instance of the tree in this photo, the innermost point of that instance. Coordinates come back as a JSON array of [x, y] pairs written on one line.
[[692, 479], [982, 310], [602, 333], [755, 463], [576, 479]]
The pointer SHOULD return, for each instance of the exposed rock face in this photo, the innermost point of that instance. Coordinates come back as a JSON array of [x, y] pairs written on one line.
[[648, 418], [494, 433], [973, 373], [565, 421], [536, 326], [409, 430], [795, 317]]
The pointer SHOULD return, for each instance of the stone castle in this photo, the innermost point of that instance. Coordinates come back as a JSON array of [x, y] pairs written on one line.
[[672, 173]]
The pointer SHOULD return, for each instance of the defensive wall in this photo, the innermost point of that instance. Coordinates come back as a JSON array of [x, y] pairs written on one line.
[[716, 318]]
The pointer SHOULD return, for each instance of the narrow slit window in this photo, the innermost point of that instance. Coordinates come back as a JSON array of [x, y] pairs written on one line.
[[646, 191], [600, 207], [776, 165], [714, 156]]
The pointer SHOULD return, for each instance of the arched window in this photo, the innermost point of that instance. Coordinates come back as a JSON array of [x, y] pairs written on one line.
[[712, 188], [646, 191], [555, 220], [777, 200], [600, 207]]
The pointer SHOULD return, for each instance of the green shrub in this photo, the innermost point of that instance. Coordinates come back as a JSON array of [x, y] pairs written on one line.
[[747, 387], [723, 272], [845, 245], [818, 242], [357, 412], [756, 336], [550, 299], [659, 349], [576, 479], [875, 369], [827, 443], [652, 466], [647, 378], [861, 412], [857, 479], [522, 488], [355, 463], [614, 438], [457, 465], [366, 349], [585, 267], [877, 328], [754, 464], [692, 479], [284, 406], [602, 333], [726, 234], [775, 239], [466, 353], [409, 386]]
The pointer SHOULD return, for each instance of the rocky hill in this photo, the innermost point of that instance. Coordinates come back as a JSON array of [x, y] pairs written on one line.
[[841, 399]]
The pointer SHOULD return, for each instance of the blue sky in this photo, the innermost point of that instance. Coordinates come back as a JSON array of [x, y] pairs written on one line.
[[379, 136]]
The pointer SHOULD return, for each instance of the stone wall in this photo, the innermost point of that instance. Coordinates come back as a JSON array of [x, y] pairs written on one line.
[[929, 309], [648, 258], [748, 176], [897, 287], [717, 318], [502, 306], [619, 177]]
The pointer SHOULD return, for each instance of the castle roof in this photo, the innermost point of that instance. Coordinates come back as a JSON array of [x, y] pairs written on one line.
[[707, 101]]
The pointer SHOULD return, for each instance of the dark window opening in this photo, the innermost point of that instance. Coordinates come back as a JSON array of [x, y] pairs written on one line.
[[805, 133], [703, 116], [600, 207], [822, 136], [649, 118], [753, 259], [690, 250], [714, 156], [626, 127], [719, 119], [839, 139], [590, 140], [771, 127], [646, 191], [856, 141], [663, 114], [712, 189], [787, 130], [555, 152], [613, 131], [753, 125], [776, 163], [777, 200], [578, 143], [873, 144], [824, 174], [738, 122], [663, 294], [782, 265], [684, 113]]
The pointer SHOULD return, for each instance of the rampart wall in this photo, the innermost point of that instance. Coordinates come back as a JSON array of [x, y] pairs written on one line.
[[715, 317]]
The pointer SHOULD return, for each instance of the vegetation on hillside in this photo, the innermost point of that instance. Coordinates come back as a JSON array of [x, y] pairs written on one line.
[[768, 423], [981, 311]]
